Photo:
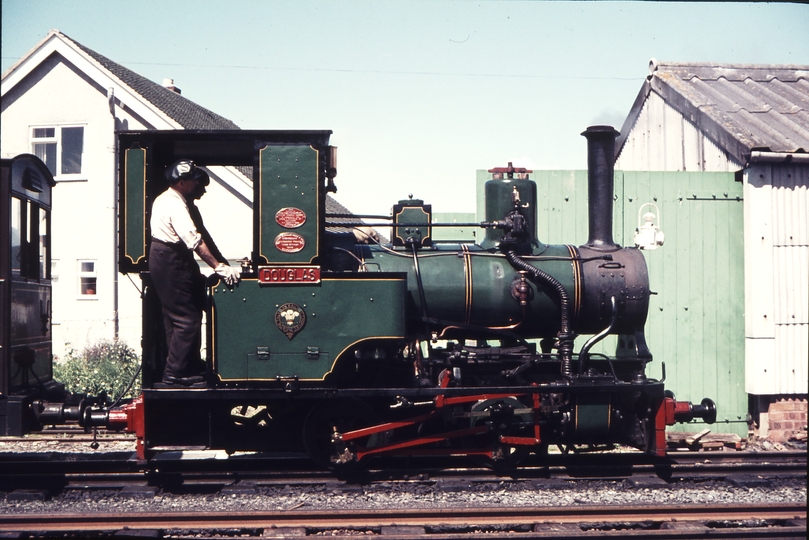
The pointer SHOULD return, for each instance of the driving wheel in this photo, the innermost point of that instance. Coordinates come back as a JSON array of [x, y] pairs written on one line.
[[503, 416]]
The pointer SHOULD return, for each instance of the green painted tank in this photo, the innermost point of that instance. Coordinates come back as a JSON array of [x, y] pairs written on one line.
[[466, 285], [514, 283]]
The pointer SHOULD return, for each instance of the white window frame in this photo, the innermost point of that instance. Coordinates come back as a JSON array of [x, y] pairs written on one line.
[[57, 139], [81, 274]]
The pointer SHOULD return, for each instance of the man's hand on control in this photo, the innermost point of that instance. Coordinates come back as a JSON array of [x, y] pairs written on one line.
[[229, 274]]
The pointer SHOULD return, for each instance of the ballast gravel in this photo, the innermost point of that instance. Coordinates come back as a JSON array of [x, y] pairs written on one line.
[[411, 496], [394, 494]]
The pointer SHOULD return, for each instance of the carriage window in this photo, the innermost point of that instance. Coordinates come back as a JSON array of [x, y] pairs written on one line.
[[60, 149], [87, 278], [30, 245], [44, 244], [17, 231]]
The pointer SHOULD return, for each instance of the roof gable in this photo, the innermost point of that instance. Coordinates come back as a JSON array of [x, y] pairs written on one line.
[[175, 110], [162, 102], [739, 107], [187, 113]]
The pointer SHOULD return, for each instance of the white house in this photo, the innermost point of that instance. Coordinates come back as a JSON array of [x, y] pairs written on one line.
[[64, 103], [752, 120]]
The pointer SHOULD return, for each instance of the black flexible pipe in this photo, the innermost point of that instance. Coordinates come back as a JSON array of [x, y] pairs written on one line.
[[418, 280], [565, 336], [584, 354]]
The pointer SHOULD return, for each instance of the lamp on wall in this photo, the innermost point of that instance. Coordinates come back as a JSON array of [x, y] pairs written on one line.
[[648, 236]]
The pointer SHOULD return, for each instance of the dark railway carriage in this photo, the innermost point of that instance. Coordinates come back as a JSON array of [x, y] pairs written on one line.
[[347, 348], [26, 377]]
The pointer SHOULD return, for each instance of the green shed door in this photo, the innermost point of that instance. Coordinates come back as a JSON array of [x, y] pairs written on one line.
[[696, 319]]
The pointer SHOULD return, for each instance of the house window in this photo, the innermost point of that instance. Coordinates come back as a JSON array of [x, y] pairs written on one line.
[[44, 147], [87, 278], [60, 148]]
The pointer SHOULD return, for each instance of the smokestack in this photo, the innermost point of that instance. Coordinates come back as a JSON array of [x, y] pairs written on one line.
[[600, 185], [169, 83]]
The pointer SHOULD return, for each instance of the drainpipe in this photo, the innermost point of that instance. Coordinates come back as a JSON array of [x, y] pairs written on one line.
[[114, 151]]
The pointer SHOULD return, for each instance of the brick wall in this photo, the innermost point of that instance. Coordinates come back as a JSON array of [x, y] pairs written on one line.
[[786, 418]]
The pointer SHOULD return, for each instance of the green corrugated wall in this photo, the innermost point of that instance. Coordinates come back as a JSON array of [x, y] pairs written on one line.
[[696, 320]]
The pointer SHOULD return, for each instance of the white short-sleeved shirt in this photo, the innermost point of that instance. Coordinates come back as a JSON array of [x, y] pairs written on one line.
[[171, 222]]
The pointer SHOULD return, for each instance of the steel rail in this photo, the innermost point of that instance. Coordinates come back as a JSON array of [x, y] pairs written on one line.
[[22, 466], [401, 517]]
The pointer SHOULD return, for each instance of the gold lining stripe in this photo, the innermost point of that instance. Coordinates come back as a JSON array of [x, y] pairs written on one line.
[[575, 263], [126, 215], [213, 345], [260, 231], [262, 208], [426, 225], [467, 272]]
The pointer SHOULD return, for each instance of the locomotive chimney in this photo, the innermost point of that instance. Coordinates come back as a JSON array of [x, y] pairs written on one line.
[[600, 184]]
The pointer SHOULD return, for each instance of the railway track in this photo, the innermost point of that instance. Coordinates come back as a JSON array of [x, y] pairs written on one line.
[[27, 469], [39, 476], [669, 521]]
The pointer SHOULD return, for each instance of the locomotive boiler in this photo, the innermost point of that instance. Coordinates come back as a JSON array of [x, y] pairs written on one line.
[[347, 346]]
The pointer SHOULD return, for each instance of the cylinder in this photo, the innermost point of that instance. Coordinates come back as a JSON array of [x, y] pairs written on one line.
[[600, 185]]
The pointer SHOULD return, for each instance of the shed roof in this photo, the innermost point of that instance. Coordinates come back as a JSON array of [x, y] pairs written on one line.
[[740, 107]]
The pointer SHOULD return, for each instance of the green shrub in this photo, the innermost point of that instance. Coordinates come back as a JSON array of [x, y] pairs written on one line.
[[104, 366]]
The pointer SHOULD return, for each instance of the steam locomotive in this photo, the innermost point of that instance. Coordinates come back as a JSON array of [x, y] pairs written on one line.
[[348, 346]]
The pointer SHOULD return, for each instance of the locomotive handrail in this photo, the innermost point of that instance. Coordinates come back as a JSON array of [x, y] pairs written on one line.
[[451, 325], [342, 224]]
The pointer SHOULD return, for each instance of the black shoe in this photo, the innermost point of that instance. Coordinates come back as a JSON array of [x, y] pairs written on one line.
[[191, 380]]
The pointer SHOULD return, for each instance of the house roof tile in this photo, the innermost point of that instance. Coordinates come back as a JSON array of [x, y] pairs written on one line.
[[182, 110]]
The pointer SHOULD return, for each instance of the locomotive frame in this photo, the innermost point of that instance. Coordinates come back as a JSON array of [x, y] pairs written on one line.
[[347, 348]]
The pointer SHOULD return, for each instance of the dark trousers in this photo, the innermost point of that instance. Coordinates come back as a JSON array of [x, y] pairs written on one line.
[[180, 287]]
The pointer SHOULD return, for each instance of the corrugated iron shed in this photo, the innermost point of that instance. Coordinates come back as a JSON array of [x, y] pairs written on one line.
[[740, 108], [752, 120]]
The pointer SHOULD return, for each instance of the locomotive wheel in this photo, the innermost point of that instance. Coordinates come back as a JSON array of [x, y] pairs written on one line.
[[339, 416], [508, 457]]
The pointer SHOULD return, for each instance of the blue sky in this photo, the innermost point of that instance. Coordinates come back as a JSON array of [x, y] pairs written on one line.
[[419, 94]]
